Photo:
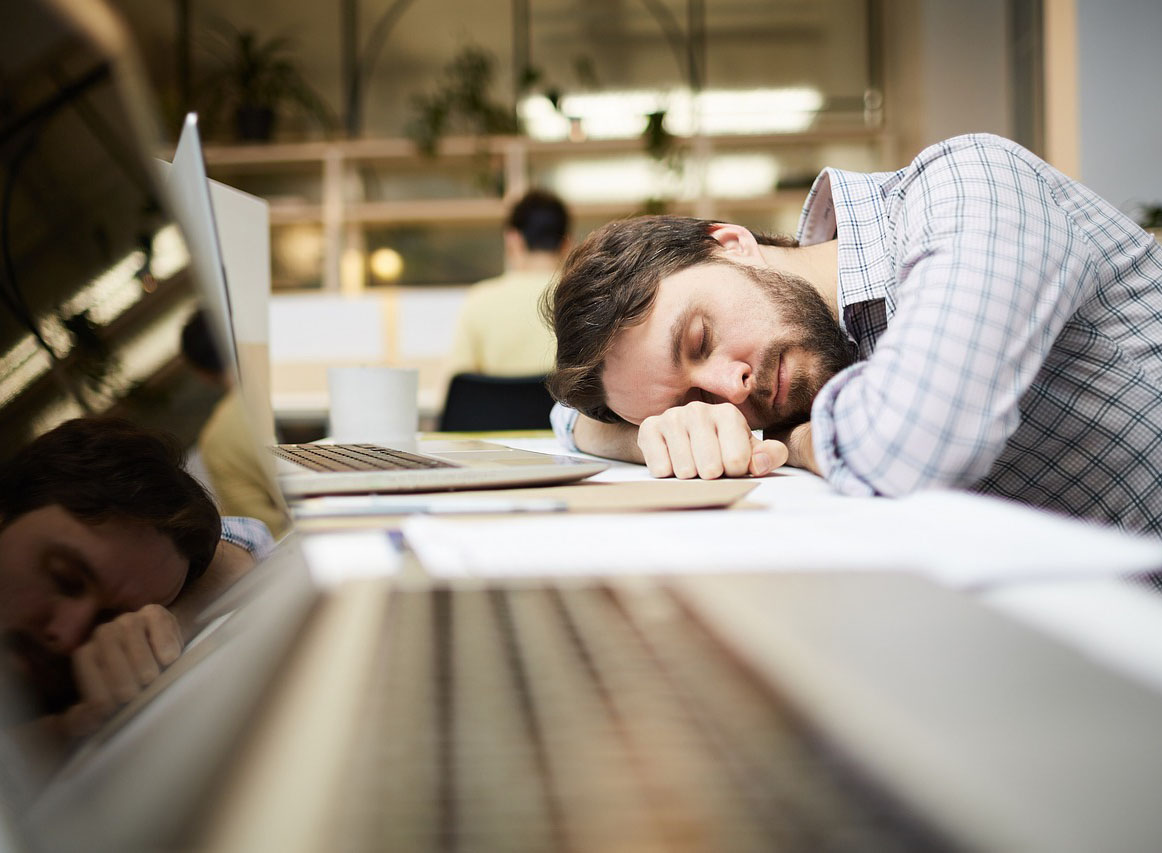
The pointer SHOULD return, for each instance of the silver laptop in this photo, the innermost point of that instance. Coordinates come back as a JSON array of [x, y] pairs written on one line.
[[802, 712], [308, 469]]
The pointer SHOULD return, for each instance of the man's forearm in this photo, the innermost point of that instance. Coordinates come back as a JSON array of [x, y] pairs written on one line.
[[801, 449], [230, 563], [613, 441]]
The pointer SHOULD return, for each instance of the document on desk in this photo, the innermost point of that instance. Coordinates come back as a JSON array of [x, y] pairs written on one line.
[[961, 539], [637, 496]]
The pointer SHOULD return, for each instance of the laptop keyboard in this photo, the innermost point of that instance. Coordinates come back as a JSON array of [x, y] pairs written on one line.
[[563, 719], [356, 457]]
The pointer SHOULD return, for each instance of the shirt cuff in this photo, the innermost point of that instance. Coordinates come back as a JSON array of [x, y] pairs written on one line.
[[564, 419], [825, 439], [248, 533]]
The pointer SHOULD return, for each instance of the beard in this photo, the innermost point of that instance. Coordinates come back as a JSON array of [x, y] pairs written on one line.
[[44, 677], [812, 330]]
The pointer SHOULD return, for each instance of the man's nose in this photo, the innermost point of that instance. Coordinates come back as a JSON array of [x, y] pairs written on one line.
[[69, 624], [729, 381]]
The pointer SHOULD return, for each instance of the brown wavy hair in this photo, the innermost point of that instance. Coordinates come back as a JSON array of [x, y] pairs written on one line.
[[609, 283], [107, 468]]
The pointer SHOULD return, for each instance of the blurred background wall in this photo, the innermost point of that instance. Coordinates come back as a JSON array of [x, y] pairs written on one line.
[[389, 137]]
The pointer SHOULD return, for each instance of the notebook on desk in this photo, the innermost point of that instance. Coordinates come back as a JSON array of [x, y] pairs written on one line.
[[760, 712], [310, 469]]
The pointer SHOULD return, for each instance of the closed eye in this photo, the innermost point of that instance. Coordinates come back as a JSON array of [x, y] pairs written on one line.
[[706, 343], [66, 577], [68, 584], [69, 574]]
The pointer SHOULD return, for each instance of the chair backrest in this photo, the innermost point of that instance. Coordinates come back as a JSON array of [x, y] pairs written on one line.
[[477, 402]]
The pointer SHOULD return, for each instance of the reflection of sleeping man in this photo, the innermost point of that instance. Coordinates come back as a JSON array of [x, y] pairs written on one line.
[[100, 531]]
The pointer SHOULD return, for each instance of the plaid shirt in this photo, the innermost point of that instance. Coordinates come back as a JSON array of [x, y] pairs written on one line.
[[248, 533], [1009, 325]]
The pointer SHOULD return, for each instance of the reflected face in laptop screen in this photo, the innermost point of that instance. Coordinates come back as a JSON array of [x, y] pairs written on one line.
[[97, 519], [61, 577]]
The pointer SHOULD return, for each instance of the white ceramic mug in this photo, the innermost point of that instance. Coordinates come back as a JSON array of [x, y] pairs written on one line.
[[374, 404]]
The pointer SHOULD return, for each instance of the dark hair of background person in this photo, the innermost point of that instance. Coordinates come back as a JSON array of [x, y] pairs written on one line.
[[198, 344], [542, 220], [609, 283], [102, 469]]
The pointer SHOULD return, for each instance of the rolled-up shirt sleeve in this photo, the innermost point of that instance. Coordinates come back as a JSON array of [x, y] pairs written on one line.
[[249, 533], [564, 419], [987, 267]]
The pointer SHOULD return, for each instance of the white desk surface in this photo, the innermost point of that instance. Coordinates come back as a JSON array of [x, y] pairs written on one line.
[[1110, 619]]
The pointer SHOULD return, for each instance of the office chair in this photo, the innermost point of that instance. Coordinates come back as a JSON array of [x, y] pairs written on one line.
[[477, 402]]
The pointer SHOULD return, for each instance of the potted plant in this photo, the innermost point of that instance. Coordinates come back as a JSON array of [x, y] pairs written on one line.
[[256, 81], [462, 101]]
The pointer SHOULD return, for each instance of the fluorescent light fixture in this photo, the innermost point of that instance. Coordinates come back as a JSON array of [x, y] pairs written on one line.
[[636, 178], [620, 179], [105, 298], [108, 295], [623, 115], [541, 119], [20, 367]]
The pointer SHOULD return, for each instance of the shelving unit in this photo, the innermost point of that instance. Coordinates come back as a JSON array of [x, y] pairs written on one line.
[[327, 169]]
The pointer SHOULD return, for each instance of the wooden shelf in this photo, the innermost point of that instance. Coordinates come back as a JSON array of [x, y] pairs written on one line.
[[342, 219], [472, 211], [279, 155]]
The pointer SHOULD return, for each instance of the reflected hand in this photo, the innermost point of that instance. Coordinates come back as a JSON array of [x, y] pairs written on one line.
[[121, 658], [707, 441]]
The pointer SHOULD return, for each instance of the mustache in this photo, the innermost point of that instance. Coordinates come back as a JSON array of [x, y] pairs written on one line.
[[765, 381]]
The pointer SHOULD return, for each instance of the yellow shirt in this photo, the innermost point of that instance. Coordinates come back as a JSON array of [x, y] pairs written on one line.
[[500, 330], [241, 483]]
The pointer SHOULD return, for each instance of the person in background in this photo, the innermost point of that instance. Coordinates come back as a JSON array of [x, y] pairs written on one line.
[[241, 482], [108, 551], [500, 331]]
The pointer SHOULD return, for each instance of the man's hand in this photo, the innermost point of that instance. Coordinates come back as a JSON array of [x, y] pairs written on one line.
[[121, 658], [707, 441]]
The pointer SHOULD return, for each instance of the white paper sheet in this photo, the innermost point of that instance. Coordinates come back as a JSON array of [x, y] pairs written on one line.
[[961, 539], [340, 556]]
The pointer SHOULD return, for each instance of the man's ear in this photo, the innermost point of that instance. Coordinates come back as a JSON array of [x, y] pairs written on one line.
[[738, 243]]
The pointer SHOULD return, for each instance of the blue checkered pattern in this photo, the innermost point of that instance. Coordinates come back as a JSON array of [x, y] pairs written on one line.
[[1009, 323], [248, 533]]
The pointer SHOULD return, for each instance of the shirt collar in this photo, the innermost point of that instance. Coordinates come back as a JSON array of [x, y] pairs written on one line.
[[850, 206]]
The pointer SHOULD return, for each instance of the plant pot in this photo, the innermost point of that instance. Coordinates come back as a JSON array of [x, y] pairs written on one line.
[[254, 124]]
